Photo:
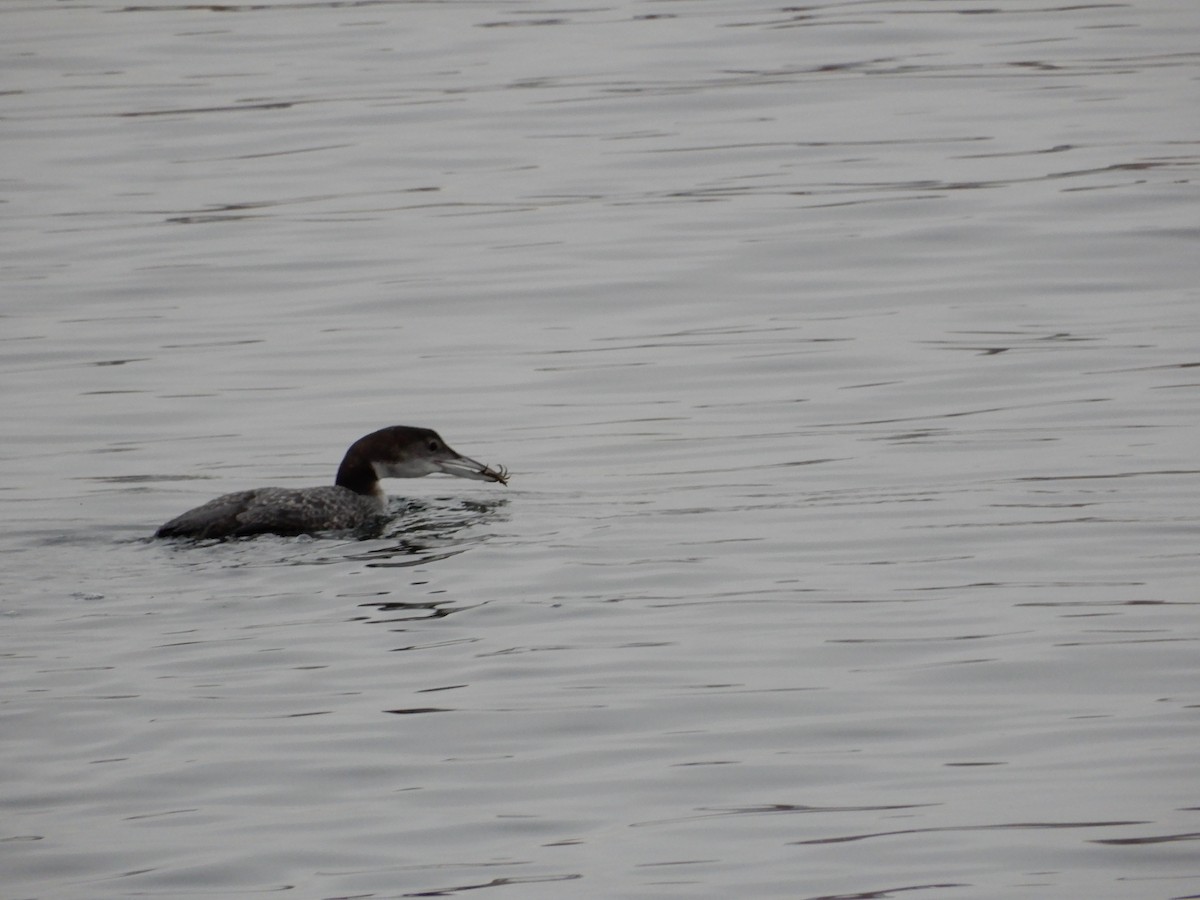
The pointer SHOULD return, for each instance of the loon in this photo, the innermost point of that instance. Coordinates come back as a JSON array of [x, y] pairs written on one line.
[[353, 501]]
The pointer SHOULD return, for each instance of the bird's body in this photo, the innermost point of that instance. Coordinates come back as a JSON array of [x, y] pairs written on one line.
[[355, 501], [275, 510]]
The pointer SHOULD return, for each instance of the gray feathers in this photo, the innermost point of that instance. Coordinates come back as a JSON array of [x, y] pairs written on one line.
[[287, 511]]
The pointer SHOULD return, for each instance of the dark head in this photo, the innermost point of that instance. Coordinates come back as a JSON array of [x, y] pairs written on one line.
[[402, 451]]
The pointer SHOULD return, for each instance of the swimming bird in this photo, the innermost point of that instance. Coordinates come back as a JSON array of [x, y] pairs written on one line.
[[354, 500]]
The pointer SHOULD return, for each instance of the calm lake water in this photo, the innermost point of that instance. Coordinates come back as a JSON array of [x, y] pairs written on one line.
[[846, 358]]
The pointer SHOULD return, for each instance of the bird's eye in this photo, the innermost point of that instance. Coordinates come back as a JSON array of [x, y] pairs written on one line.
[[434, 447]]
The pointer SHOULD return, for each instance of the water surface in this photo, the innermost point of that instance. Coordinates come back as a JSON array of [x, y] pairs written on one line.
[[844, 357]]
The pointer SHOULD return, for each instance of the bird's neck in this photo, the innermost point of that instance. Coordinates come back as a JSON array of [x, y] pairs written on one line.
[[357, 474]]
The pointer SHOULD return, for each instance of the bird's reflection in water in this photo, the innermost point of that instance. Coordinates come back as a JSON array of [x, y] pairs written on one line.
[[417, 532], [423, 531], [389, 611]]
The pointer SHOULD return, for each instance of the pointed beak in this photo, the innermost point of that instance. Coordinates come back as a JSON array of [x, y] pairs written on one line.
[[465, 467]]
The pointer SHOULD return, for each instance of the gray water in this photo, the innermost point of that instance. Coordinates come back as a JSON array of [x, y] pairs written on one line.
[[845, 359]]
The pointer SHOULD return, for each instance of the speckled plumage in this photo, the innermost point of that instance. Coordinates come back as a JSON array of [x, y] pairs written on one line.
[[286, 511], [352, 502]]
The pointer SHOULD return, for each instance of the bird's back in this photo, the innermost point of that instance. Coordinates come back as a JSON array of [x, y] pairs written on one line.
[[286, 511]]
